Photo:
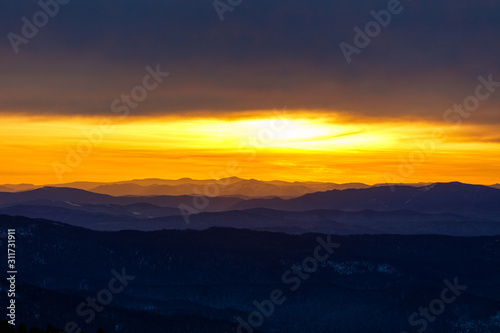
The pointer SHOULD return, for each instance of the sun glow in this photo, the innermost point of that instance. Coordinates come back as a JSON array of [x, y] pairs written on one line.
[[288, 148]]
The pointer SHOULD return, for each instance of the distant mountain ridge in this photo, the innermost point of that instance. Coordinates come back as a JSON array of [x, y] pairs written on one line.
[[440, 197], [445, 197], [232, 186], [442, 208], [77, 196]]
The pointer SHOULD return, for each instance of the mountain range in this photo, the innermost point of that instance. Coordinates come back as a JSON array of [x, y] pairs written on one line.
[[203, 268], [232, 186], [441, 208]]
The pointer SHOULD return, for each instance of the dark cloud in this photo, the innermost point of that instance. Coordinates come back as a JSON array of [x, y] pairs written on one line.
[[265, 54]]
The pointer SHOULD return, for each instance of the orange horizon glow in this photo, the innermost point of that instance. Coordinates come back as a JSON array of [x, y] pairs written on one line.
[[264, 145]]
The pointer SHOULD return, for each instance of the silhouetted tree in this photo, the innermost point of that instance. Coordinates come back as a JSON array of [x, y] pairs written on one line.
[[35, 330], [51, 329], [22, 328]]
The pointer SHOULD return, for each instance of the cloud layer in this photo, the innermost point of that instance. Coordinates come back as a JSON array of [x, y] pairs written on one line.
[[264, 55]]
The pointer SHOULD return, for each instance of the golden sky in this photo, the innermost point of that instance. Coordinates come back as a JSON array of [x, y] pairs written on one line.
[[266, 145], [372, 119]]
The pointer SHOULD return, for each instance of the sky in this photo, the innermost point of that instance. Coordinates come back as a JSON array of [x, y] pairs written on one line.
[[265, 93]]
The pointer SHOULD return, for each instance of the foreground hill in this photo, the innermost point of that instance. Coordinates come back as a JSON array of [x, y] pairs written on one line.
[[217, 274]]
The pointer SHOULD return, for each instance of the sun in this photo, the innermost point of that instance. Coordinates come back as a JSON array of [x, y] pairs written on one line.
[[307, 134], [281, 130]]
